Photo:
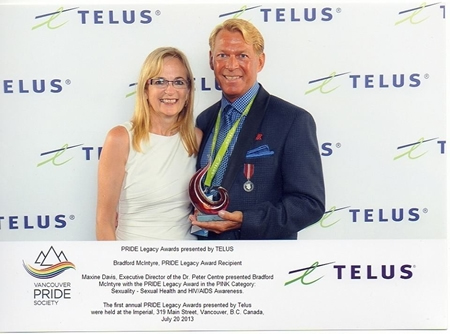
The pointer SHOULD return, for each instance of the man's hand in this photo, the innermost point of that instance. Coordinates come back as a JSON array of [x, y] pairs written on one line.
[[231, 221]]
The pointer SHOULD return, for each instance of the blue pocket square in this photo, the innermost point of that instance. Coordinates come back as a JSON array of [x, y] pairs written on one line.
[[260, 151]]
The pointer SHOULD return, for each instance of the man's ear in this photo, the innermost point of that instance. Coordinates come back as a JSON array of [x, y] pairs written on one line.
[[262, 61], [211, 63]]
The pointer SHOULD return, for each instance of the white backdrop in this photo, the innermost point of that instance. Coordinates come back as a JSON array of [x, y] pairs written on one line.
[[373, 75]]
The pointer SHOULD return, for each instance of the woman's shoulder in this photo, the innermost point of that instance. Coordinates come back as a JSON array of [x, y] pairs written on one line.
[[118, 132], [198, 136], [118, 136]]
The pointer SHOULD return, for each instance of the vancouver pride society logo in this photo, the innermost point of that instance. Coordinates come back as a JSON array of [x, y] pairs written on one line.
[[51, 264], [48, 292]]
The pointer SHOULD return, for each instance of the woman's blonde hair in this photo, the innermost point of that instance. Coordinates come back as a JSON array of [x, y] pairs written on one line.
[[141, 120]]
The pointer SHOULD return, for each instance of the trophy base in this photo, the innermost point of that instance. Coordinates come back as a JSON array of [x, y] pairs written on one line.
[[195, 230], [207, 218]]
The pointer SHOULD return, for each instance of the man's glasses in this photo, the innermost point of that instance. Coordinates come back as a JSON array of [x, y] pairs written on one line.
[[163, 83]]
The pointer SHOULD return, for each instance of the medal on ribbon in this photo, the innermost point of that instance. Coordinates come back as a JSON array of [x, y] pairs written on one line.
[[249, 169]]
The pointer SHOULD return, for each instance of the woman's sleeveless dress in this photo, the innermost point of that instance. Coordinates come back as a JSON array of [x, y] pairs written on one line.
[[154, 202]]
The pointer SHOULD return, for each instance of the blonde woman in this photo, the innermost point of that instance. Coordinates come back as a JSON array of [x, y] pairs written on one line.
[[146, 163]]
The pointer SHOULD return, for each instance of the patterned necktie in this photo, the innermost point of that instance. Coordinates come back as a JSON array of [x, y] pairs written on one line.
[[229, 116]]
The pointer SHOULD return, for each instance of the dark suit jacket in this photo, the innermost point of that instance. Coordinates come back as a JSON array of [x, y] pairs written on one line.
[[288, 192]]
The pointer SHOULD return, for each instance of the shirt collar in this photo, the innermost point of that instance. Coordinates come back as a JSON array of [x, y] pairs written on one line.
[[241, 103]]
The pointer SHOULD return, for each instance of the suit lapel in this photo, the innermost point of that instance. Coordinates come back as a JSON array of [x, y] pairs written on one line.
[[246, 137]]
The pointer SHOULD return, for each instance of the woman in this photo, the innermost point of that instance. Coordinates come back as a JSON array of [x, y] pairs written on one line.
[[146, 164]]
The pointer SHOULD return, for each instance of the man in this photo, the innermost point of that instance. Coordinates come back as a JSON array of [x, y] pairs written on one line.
[[273, 171]]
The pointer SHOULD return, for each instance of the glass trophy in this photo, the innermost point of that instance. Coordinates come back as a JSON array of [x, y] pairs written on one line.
[[207, 206]]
